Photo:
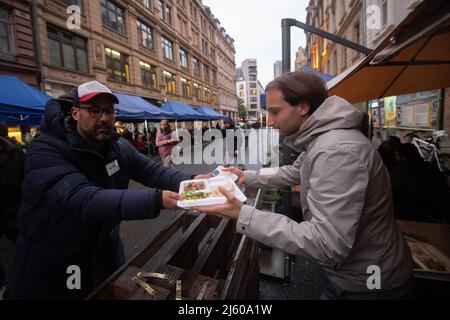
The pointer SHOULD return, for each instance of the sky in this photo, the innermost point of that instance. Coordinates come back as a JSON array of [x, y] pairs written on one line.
[[255, 26]]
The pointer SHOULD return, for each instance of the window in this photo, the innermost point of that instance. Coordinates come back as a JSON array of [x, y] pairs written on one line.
[[207, 94], [185, 88], [194, 12], [165, 12], [183, 58], [167, 48], [384, 3], [195, 65], [252, 77], [182, 3], [148, 4], [145, 34], [117, 67], [253, 106], [241, 87], [206, 73], [205, 46], [161, 9], [253, 85], [72, 2], [6, 44], [197, 91], [253, 99], [148, 74], [113, 16], [66, 49], [169, 82], [357, 32], [253, 92], [168, 16], [241, 94]]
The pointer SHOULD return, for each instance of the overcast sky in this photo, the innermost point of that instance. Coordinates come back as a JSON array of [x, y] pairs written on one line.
[[255, 26]]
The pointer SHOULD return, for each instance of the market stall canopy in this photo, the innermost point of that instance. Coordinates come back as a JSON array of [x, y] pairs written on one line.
[[183, 111], [211, 113], [414, 57], [134, 108], [325, 76], [20, 103]]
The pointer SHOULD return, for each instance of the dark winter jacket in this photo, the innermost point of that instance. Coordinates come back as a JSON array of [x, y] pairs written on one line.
[[11, 177], [71, 208]]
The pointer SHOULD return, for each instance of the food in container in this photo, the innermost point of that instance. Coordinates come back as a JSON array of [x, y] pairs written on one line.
[[205, 192]]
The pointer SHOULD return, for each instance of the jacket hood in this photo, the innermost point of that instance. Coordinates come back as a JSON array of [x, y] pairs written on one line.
[[334, 114], [53, 121]]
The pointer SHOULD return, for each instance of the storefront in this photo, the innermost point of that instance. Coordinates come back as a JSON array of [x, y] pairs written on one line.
[[420, 113]]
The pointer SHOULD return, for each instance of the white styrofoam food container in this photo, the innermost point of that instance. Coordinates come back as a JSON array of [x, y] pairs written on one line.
[[210, 185]]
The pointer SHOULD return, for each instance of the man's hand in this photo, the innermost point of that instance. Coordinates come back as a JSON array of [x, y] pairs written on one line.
[[170, 199], [241, 176], [230, 209]]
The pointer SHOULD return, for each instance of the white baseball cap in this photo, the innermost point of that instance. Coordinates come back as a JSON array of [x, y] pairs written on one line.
[[91, 89]]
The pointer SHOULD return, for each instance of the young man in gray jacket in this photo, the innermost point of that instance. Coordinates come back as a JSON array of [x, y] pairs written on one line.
[[349, 226]]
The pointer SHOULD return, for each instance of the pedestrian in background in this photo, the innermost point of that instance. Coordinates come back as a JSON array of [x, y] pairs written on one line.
[[166, 141], [12, 161]]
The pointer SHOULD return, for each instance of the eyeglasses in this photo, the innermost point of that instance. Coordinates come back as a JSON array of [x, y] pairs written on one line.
[[97, 112]]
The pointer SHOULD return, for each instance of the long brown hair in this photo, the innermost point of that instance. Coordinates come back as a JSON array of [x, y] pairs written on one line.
[[301, 87]]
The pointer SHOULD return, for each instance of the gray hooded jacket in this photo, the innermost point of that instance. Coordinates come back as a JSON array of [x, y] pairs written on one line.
[[346, 201]]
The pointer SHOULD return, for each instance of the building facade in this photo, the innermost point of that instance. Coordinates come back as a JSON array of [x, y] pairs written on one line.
[[277, 69], [248, 87], [301, 59], [343, 18], [226, 67], [18, 56], [157, 49], [368, 22]]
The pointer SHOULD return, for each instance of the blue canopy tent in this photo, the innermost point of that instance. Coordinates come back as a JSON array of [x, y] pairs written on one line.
[[184, 111], [134, 108], [325, 76], [211, 113], [20, 103]]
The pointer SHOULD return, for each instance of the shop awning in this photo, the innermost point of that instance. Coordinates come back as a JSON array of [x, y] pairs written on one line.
[[211, 113], [183, 111], [20, 103], [134, 108], [414, 57]]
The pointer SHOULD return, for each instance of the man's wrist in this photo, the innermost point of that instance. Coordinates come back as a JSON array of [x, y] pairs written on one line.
[[159, 199]]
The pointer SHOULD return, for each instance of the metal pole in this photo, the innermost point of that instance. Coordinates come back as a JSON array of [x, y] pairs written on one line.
[[148, 141], [286, 45]]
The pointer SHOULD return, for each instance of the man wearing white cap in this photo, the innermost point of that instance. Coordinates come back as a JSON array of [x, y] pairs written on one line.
[[75, 195]]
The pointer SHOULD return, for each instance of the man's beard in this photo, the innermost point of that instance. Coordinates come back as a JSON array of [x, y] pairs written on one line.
[[93, 136]]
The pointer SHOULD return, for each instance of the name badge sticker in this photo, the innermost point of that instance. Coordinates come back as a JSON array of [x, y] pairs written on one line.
[[112, 167]]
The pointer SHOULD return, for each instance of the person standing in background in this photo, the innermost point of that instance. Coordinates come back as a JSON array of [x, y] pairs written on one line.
[[166, 141]]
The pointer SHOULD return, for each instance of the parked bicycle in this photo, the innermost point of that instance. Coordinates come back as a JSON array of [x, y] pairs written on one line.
[[429, 149]]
